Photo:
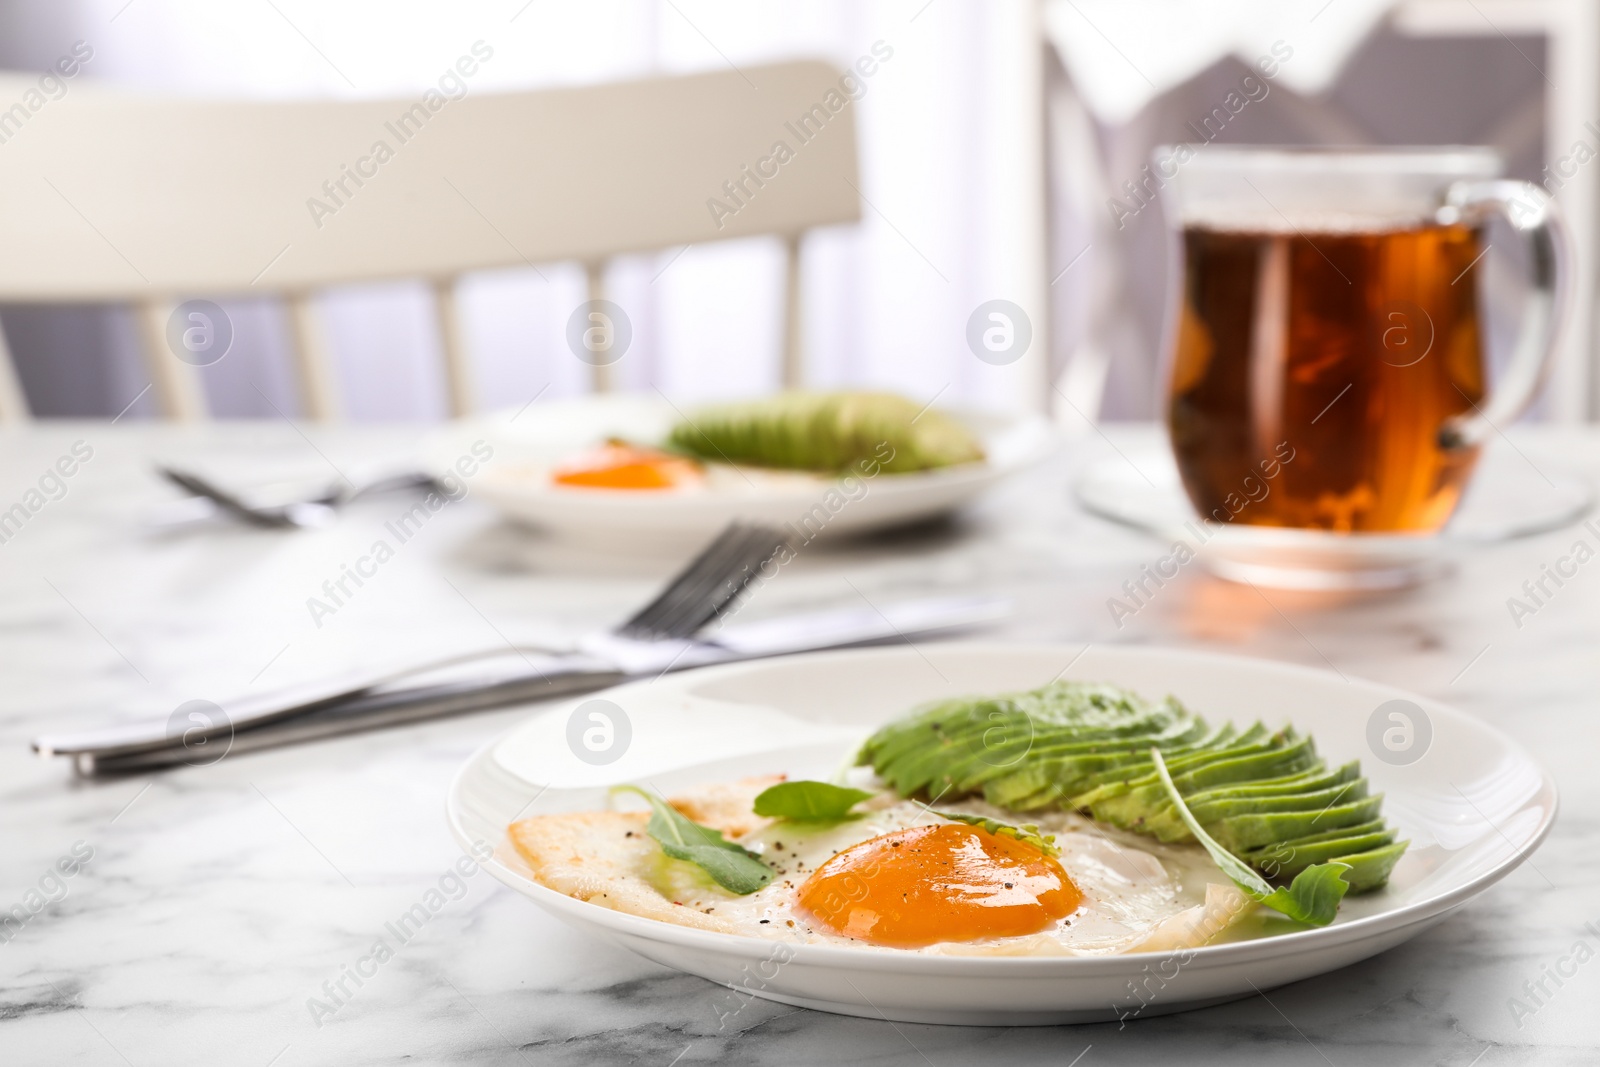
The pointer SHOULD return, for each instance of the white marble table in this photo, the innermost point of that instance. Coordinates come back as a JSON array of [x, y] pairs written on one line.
[[219, 899]]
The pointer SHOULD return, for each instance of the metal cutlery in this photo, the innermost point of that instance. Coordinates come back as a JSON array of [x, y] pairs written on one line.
[[551, 677], [311, 509], [658, 637]]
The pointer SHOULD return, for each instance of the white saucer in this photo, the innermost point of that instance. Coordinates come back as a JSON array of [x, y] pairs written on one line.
[[525, 446], [1507, 499], [1474, 805]]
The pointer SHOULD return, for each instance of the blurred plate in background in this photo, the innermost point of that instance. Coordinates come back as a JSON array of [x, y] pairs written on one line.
[[527, 446]]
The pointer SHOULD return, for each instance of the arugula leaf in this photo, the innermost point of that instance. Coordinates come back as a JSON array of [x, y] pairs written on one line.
[[1312, 898], [730, 865], [1028, 833], [808, 801]]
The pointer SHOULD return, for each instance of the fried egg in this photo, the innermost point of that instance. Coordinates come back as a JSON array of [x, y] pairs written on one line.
[[621, 466], [899, 877], [614, 466]]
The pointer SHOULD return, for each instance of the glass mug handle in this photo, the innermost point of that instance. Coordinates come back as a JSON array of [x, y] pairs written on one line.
[[1534, 216]]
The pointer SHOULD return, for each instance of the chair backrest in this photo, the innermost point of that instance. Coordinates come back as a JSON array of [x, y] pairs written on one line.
[[151, 199]]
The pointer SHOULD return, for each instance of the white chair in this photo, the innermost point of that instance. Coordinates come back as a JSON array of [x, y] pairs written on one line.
[[117, 196]]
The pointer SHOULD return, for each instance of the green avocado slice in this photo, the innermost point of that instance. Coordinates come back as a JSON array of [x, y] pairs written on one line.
[[1371, 869], [1315, 779], [1088, 711], [958, 744], [1240, 833], [1131, 809], [1229, 745], [1061, 777], [1044, 740], [1046, 799], [927, 726], [1006, 739], [1303, 781], [1282, 860], [1167, 826], [830, 432], [1263, 795], [1117, 777], [1374, 826], [1067, 763]]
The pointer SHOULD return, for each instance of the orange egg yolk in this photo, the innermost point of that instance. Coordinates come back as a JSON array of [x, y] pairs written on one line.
[[926, 884], [625, 467]]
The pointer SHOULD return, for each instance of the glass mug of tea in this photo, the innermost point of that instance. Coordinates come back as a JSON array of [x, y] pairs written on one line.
[[1325, 339]]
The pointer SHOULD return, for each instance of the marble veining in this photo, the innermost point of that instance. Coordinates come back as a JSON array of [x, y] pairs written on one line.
[[221, 901]]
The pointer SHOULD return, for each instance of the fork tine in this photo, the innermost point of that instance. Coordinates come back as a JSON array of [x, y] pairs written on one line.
[[704, 567], [696, 608], [683, 606], [705, 588], [762, 547]]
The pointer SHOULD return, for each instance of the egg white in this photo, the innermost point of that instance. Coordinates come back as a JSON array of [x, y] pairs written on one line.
[[721, 478], [1138, 895]]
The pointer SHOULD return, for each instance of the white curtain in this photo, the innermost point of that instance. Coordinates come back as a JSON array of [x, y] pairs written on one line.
[[888, 300]]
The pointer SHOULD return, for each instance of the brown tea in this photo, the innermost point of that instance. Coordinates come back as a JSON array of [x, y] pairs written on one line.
[[1330, 359]]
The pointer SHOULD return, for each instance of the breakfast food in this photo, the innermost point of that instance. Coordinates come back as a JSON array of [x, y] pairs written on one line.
[[787, 441], [895, 877], [1152, 831], [1265, 795], [618, 465], [827, 432]]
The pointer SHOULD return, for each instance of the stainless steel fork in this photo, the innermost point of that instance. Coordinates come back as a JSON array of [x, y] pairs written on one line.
[[310, 510]]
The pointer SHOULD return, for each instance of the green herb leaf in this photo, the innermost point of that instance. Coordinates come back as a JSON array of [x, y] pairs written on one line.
[[807, 801], [733, 867], [1028, 833], [1312, 898]]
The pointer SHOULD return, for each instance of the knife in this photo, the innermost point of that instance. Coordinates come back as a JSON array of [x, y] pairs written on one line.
[[326, 710]]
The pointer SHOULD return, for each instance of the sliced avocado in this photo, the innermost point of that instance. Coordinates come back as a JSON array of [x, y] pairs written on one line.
[[930, 725], [1117, 777], [1371, 869], [1066, 710], [1240, 833], [1303, 781], [1296, 754], [1283, 860], [1167, 826], [1066, 764], [1264, 795], [1311, 780], [952, 747], [1137, 776], [1006, 739], [1132, 808], [1373, 826], [1046, 799], [1054, 782], [827, 432]]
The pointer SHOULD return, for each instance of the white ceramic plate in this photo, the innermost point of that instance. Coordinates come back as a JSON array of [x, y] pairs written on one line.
[[1474, 805], [1507, 499], [525, 446]]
